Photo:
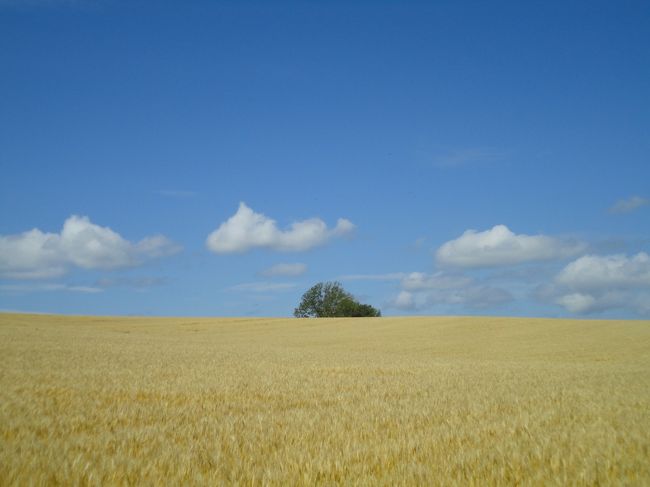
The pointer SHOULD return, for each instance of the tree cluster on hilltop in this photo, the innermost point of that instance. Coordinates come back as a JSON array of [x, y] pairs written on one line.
[[330, 300]]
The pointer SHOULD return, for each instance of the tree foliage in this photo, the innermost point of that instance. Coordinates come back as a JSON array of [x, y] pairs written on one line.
[[329, 300]]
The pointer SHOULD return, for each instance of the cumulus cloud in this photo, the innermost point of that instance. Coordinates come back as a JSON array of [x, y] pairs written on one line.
[[420, 290], [246, 230], [404, 300], [37, 255], [499, 246], [596, 283], [606, 272], [279, 270], [628, 205], [577, 302]]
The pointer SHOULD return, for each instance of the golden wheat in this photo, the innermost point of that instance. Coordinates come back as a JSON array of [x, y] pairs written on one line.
[[428, 401]]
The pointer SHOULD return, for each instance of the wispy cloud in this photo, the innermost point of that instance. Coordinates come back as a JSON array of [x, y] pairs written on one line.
[[247, 230], [131, 282], [46, 287], [263, 287], [418, 281], [628, 205], [422, 291], [390, 276], [419, 243], [284, 270]]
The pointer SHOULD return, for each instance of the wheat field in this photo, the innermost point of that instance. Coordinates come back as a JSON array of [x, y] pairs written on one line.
[[380, 401]]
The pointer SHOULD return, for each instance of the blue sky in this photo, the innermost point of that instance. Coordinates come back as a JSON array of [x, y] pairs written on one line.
[[219, 158]]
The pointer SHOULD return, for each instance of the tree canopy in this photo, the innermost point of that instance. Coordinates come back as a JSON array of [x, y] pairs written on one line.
[[330, 300]]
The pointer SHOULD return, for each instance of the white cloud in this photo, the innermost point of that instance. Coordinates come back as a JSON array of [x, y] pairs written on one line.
[[635, 301], [596, 283], [628, 205], [37, 255], [606, 272], [404, 300], [420, 290], [291, 270], [263, 287], [499, 246], [246, 230], [577, 302]]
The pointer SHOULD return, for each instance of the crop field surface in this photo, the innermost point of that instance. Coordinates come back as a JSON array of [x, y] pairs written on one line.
[[379, 401]]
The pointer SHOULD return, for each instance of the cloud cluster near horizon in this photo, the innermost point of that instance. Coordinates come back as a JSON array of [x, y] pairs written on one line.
[[587, 284], [468, 273], [595, 283], [420, 290], [247, 230], [82, 244]]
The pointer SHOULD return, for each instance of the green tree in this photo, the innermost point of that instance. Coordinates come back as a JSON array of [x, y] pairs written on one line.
[[329, 299]]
